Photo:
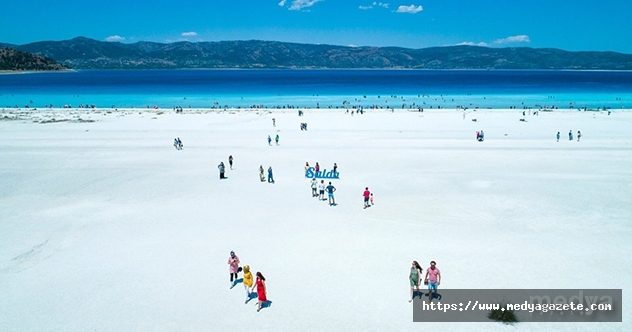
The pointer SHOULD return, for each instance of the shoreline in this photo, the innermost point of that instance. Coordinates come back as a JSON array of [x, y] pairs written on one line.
[[85, 115]]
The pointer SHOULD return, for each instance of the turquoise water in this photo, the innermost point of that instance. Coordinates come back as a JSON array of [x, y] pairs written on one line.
[[319, 88]]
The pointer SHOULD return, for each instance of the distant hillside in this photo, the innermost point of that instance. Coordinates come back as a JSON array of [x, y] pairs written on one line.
[[85, 53], [15, 60]]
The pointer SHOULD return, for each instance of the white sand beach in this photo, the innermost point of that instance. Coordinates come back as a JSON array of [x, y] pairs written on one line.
[[104, 226]]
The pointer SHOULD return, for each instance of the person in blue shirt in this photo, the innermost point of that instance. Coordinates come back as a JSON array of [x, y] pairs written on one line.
[[330, 192], [270, 178], [269, 140]]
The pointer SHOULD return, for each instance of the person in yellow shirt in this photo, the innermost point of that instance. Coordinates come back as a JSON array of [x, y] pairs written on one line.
[[248, 281]]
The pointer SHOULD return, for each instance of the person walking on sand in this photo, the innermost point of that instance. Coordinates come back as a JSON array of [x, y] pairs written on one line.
[[306, 167], [414, 277], [276, 139], [273, 122], [335, 168], [316, 167], [558, 136], [330, 192], [261, 176], [230, 161], [372, 200], [433, 278], [321, 190], [247, 282], [570, 135], [270, 178], [221, 170], [233, 263], [579, 135], [366, 195], [269, 140], [262, 296], [314, 185]]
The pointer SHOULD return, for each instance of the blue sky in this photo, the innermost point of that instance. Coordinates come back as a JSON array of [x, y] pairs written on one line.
[[571, 25]]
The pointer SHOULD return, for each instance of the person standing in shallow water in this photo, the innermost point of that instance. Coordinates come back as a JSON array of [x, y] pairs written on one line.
[[414, 277], [269, 140], [558, 136], [230, 161], [579, 135], [570, 135], [276, 139]]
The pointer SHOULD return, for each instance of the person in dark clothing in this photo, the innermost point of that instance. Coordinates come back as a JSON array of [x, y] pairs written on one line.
[[222, 168]]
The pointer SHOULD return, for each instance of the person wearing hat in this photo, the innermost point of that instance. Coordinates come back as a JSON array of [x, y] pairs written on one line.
[[248, 281], [233, 262]]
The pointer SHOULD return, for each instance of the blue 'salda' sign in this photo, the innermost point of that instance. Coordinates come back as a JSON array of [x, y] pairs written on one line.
[[311, 173]]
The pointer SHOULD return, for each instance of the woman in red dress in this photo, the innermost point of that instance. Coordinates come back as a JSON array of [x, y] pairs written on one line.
[[261, 290]]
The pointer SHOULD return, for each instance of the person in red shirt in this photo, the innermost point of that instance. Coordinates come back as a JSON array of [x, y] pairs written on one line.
[[366, 195]]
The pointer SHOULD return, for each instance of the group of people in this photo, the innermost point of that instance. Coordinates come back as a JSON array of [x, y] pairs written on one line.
[[249, 283], [570, 135], [432, 280], [321, 191], [480, 136], [262, 177], [276, 139], [317, 167], [222, 167], [177, 143]]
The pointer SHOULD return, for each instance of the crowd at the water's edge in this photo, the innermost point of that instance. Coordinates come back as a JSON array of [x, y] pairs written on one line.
[[360, 104]]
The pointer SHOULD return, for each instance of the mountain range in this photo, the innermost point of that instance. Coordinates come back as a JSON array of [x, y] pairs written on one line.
[[86, 53], [16, 60]]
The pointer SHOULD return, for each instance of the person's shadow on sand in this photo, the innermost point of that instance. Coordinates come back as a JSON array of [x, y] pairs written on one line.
[[434, 296], [266, 304], [237, 281], [252, 295]]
